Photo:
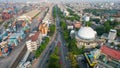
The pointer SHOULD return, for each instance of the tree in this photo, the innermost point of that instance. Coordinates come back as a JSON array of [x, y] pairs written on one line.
[[66, 35], [54, 11], [112, 43], [54, 59], [72, 46], [42, 47], [118, 32], [69, 10], [63, 24], [95, 20], [88, 23], [53, 62], [73, 60], [107, 26], [100, 30], [52, 29], [81, 50]]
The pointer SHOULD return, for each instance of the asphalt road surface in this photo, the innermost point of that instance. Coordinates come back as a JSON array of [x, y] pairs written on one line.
[[41, 62]]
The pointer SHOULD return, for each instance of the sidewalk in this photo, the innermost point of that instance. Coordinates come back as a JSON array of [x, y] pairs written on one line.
[[36, 61]]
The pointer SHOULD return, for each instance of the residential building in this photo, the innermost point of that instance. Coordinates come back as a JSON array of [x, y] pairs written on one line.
[[77, 24], [86, 18], [69, 26], [43, 29], [92, 57], [34, 41], [66, 13], [109, 58], [72, 33]]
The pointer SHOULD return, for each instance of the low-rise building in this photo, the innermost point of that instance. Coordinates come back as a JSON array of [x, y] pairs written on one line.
[[86, 18], [43, 29], [34, 41], [77, 24], [92, 57], [109, 58], [69, 26], [66, 13], [72, 33], [116, 17]]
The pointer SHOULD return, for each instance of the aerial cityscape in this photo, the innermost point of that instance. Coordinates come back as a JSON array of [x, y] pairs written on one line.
[[59, 33]]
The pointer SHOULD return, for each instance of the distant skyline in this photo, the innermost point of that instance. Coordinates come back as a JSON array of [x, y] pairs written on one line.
[[59, 0]]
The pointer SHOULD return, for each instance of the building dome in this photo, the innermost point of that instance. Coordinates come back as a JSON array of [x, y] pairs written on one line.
[[86, 33]]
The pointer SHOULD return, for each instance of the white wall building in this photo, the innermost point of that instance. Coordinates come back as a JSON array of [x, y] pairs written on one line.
[[72, 33], [34, 42], [70, 27], [86, 18], [66, 13], [112, 34], [31, 45]]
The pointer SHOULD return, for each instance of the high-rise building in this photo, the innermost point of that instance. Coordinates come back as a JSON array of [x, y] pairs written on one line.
[[112, 34]]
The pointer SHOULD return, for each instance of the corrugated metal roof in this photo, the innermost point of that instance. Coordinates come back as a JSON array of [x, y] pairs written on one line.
[[110, 52]]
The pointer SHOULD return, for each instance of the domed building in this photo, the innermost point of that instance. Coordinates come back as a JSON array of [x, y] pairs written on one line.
[[86, 36]]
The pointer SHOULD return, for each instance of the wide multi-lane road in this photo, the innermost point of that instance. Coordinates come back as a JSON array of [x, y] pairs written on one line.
[[44, 57], [63, 48]]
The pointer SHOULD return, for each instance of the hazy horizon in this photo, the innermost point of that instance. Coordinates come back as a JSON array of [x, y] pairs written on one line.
[[59, 1]]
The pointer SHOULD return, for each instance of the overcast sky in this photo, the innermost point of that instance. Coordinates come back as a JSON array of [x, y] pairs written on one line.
[[59, 0]]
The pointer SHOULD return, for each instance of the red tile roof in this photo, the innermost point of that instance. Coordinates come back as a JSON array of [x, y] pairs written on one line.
[[110, 52], [35, 36], [77, 25]]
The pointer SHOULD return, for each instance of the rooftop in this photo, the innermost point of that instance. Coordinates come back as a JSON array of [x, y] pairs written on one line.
[[110, 52], [34, 37], [77, 25], [86, 33], [90, 59], [107, 62]]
